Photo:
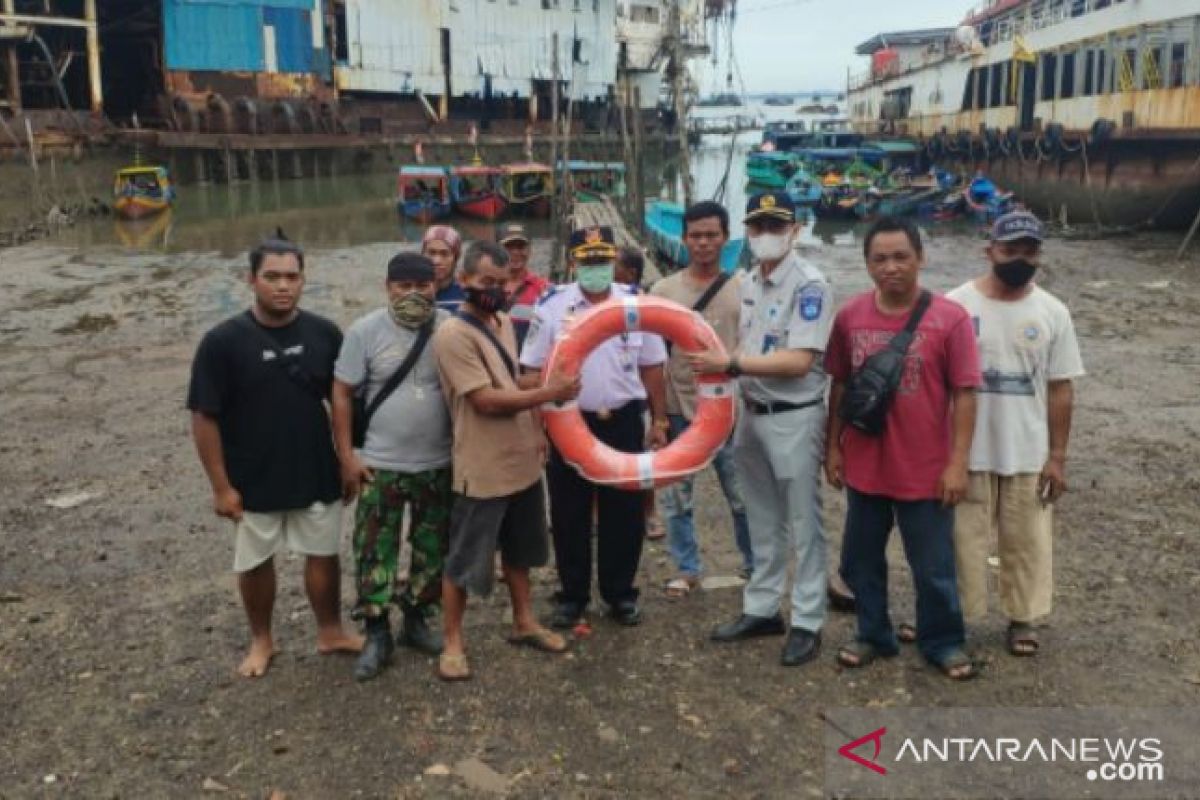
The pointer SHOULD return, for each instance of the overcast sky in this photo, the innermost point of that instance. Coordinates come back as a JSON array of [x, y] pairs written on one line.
[[791, 45]]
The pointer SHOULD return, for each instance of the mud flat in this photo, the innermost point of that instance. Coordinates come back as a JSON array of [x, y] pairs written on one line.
[[119, 626]]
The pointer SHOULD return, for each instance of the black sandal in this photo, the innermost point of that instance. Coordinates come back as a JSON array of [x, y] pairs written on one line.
[[860, 654], [951, 664], [1022, 639]]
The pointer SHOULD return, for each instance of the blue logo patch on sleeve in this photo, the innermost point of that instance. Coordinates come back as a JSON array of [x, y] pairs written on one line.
[[811, 301]]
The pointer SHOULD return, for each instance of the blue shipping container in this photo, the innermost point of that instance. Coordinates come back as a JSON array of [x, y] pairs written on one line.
[[293, 38]]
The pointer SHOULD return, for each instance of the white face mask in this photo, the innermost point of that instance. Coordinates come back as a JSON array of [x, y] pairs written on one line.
[[770, 246]]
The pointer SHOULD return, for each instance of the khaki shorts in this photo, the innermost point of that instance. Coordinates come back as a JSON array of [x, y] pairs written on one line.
[[312, 531]]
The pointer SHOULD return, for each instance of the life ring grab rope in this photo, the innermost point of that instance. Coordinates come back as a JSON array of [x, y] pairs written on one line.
[[693, 450]]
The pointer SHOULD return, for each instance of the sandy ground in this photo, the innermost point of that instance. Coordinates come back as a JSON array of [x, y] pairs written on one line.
[[120, 628]]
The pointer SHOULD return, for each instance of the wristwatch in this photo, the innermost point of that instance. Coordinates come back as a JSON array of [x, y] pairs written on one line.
[[734, 369]]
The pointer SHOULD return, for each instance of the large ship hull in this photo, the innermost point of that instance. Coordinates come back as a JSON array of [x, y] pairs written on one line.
[[1093, 114]]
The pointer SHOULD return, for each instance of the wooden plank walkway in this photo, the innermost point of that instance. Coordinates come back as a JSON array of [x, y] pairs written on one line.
[[604, 212]]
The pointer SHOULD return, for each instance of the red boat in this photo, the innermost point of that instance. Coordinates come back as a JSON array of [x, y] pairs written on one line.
[[475, 192]]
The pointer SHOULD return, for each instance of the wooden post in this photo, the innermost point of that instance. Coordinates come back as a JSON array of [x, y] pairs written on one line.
[[1187, 240], [227, 158], [95, 85], [14, 79], [557, 253], [639, 212], [679, 64]]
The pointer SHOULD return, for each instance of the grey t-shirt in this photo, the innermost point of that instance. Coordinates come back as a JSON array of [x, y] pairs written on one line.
[[411, 430]]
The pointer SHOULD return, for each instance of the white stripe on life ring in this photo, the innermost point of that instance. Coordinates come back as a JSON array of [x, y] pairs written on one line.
[[645, 465], [716, 390], [633, 314]]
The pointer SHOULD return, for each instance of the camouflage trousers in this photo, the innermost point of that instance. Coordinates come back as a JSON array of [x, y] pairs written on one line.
[[378, 528]]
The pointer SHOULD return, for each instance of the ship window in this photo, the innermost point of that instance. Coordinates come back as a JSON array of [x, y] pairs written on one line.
[[1101, 69], [1178, 66], [1089, 73], [981, 86], [1049, 75], [1068, 76], [997, 98], [969, 92]]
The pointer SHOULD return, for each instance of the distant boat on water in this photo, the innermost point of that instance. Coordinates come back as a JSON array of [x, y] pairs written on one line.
[[725, 100]]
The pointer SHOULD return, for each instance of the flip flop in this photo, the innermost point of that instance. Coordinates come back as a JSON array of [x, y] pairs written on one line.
[[541, 640], [1022, 640], [453, 667], [679, 588]]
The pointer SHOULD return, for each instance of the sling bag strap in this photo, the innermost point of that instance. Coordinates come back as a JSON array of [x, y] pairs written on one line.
[[480, 326], [901, 341], [290, 367], [402, 371], [712, 291]]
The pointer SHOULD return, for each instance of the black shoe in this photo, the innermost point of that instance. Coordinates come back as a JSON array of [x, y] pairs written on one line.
[[801, 647], [566, 615], [416, 633], [377, 650], [626, 612], [747, 626], [840, 601]]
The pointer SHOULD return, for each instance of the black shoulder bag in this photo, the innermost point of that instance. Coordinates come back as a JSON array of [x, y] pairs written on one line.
[[870, 391], [290, 367], [362, 411], [712, 291], [476, 323]]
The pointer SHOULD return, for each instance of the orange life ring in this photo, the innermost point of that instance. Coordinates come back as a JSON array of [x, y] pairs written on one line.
[[693, 450]]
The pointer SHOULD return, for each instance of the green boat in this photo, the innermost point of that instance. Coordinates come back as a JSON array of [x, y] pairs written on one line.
[[770, 169], [595, 180]]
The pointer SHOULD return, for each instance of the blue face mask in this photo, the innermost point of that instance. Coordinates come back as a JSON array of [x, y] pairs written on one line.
[[594, 278]]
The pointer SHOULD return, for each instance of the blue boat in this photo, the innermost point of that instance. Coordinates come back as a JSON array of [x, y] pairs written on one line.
[[423, 192], [664, 226], [804, 188]]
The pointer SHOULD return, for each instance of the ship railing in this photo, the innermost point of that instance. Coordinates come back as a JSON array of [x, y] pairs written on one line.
[[1034, 17]]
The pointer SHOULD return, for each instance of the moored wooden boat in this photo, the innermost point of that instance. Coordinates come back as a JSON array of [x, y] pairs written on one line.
[[527, 188], [664, 227], [475, 192], [141, 191], [770, 169], [594, 180], [423, 192]]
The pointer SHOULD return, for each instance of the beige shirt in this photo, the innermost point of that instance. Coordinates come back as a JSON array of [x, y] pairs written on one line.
[[492, 456], [722, 314]]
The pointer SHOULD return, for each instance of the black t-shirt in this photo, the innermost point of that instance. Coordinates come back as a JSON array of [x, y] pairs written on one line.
[[276, 434]]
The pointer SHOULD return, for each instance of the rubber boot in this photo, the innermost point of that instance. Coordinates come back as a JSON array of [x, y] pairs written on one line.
[[416, 633], [377, 651]]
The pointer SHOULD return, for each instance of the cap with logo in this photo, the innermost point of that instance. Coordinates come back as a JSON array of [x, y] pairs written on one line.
[[770, 205], [593, 244], [514, 232], [1017, 225]]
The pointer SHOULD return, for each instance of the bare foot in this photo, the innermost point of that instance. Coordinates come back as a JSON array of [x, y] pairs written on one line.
[[256, 662], [336, 640]]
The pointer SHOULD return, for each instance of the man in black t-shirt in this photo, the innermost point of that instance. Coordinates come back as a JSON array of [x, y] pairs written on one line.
[[260, 382]]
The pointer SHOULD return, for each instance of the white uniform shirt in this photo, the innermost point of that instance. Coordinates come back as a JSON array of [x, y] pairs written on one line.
[[791, 309], [1022, 345], [611, 376]]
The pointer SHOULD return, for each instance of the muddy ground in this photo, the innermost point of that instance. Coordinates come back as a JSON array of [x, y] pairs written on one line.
[[120, 627]]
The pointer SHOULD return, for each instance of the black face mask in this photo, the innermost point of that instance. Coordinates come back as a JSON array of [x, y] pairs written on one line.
[[1015, 274], [489, 301]]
